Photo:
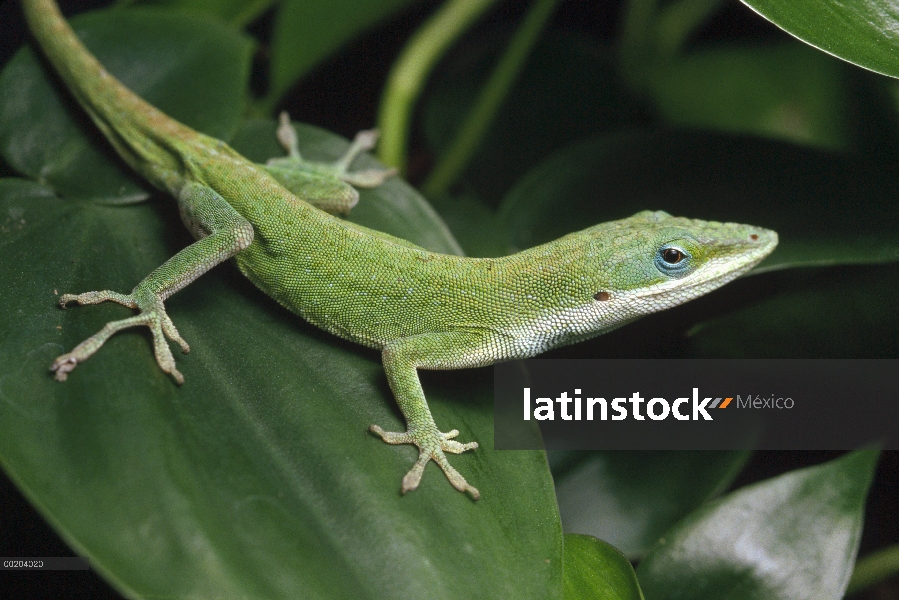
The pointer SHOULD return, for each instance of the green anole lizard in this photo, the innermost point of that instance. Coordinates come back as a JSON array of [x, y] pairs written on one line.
[[421, 309]]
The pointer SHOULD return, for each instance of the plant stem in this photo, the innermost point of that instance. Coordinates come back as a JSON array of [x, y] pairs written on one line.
[[411, 70], [481, 115]]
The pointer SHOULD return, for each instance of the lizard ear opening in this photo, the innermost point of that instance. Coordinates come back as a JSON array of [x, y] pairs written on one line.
[[602, 296]]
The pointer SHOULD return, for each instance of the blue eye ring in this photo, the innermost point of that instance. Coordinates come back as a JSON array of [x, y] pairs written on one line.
[[673, 260]]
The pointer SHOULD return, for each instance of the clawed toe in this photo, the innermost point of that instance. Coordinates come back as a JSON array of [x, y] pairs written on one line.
[[152, 315], [366, 139], [431, 446]]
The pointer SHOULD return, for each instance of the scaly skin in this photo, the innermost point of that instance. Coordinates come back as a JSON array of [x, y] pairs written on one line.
[[423, 310]]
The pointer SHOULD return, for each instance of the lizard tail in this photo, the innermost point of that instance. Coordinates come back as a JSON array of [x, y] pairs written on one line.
[[140, 132]]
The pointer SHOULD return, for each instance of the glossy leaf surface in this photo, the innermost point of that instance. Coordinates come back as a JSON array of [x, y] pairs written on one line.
[[595, 570], [793, 537], [629, 499], [863, 32]]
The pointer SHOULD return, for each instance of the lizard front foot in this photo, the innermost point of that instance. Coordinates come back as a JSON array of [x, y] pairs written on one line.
[[152, 315], [431, 446]]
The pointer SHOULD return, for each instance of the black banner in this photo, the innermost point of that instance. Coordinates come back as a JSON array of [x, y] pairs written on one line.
[[659, 404]]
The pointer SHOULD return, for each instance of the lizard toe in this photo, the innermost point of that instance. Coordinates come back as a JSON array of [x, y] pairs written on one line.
[[432, 445]]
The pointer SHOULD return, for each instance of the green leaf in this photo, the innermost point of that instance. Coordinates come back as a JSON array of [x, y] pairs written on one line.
[[595, 570], [828, 209], [863, 32], [191, 68], [793, 537], [307, 31], [630, 499], [257, 478], [788, 92]]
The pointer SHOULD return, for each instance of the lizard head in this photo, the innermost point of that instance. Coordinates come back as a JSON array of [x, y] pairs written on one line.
[[598, 279], [652, 261]]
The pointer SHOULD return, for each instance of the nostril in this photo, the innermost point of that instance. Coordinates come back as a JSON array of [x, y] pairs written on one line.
[[754, 237]]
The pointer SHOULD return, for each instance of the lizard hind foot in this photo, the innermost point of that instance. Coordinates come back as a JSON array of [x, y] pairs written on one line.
[[152, 315], [369, 178], [432, 445], [339, 169]]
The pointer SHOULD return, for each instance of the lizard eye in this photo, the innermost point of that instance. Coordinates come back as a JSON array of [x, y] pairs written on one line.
[[672, 256], [673, 260]]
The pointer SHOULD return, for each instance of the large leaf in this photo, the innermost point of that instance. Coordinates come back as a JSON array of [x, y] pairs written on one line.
[[630, 498], [257, 478], [863, 32], [596, 570], [828, 208], [793, 537], [191, 68]]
